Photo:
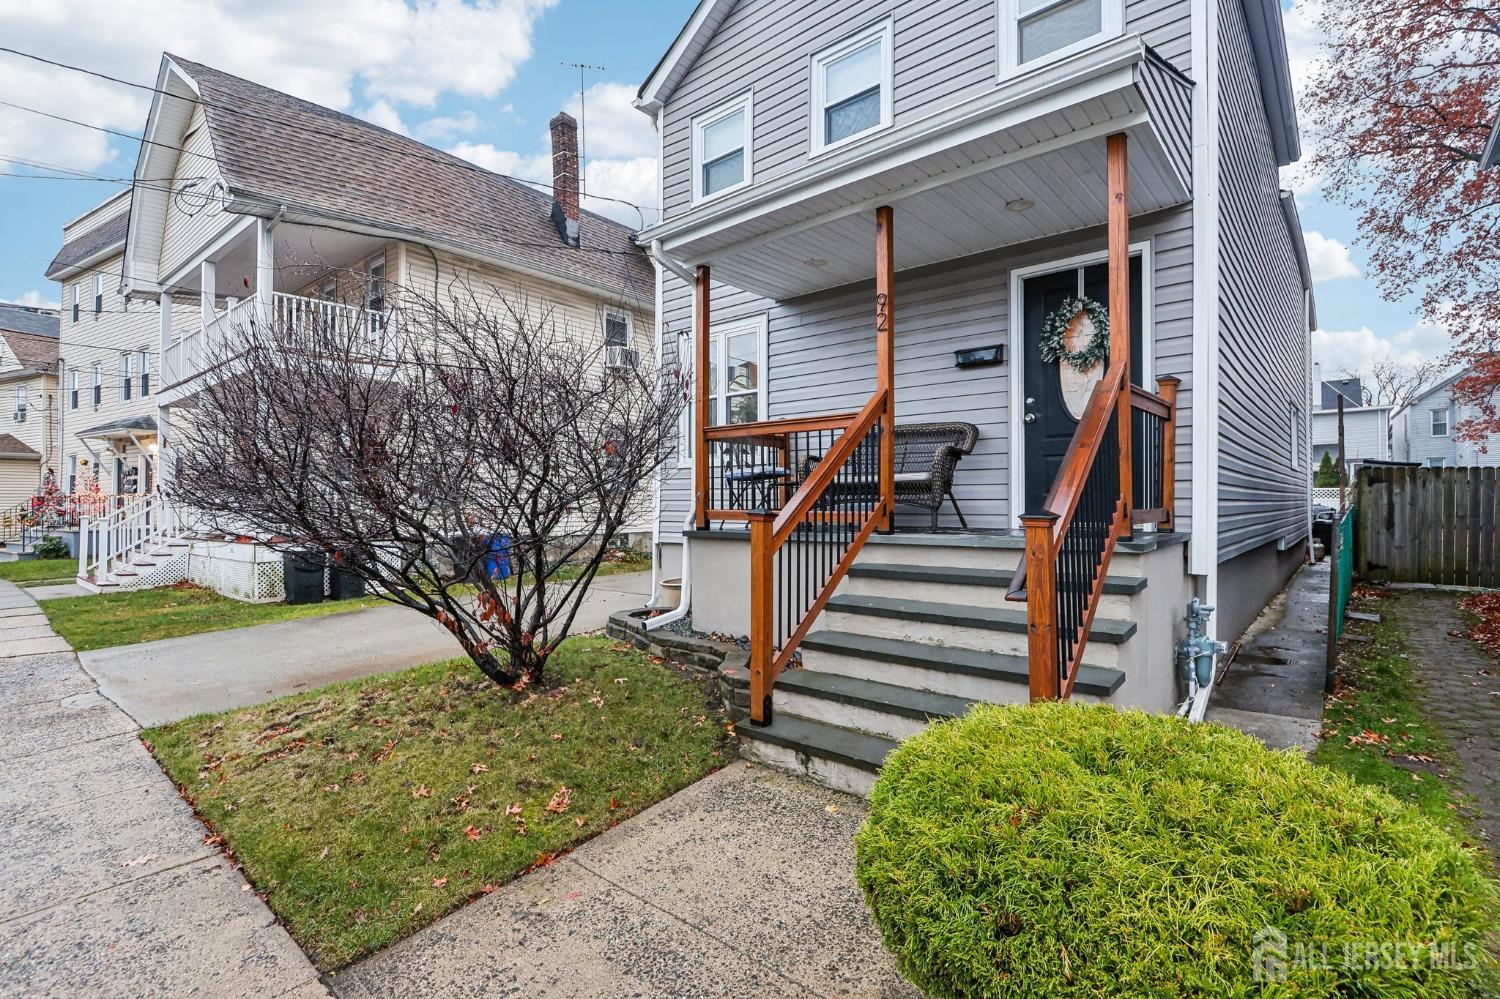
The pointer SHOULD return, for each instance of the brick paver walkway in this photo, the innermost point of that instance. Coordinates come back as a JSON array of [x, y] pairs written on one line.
[[1459, 686]]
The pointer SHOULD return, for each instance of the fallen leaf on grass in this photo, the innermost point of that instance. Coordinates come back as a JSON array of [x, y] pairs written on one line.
[[439, 882], [514, 808], [560, 801], [579, 821], [479, 768], [472, 832], [421, 791], [1369, 738]]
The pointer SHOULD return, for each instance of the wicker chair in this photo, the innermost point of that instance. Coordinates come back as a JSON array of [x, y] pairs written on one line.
[[926, 455]]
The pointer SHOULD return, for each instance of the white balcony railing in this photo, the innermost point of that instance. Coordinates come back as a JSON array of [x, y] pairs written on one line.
[[295, 320]]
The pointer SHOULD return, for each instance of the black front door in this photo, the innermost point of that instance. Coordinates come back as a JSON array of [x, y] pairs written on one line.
[[1049, 425]]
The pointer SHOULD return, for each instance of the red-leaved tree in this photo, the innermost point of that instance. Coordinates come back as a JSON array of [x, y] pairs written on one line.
[[1401, 105]]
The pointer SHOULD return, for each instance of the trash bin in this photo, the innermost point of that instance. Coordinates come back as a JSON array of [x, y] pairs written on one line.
[[497, 562], [304, 577], [343, 585]]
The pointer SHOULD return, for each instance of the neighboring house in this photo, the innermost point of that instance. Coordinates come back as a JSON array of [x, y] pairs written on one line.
[[263, 204], [28, 390], [1367, 428], [1422, 431], [110, 367], [858, 191]]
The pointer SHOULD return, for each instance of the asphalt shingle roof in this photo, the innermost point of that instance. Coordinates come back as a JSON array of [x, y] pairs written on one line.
[[94, 241], [289, 151], [13, 447], [25, 319], [35, 351]]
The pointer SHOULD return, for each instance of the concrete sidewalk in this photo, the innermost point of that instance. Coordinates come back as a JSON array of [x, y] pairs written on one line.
[[106, 885], [159, 682], [1274, 687], [741, 885]]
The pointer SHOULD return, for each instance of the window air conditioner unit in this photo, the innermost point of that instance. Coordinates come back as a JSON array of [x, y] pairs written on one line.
[[621, 358], [20, 416]]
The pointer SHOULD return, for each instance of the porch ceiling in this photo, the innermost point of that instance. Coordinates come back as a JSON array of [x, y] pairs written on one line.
[[303, 254], [950, 181]]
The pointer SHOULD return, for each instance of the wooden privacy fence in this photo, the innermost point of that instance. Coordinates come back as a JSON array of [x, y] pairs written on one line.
[[1428, 525]]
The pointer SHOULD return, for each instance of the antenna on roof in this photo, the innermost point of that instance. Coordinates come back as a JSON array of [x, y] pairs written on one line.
[[582, 68]]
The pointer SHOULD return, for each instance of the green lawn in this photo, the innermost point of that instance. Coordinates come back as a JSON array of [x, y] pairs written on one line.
[[33, 570], [1375, 719], [365, 810], [99, 622]]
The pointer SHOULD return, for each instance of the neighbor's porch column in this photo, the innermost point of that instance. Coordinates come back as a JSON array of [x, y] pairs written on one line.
[[885, 360], [207, 290], [700, 396], [265, 266], [1119, 304]]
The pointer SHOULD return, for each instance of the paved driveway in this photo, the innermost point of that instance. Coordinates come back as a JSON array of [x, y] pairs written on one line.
[[158, 682], [106, 885]]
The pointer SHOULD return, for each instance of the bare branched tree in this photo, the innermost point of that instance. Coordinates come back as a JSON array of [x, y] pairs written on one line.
[[1396, 382], [403, 444]]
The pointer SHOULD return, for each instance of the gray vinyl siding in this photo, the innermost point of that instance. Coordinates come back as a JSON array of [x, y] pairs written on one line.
[[822, 355], [944, 52], [1263, 491]]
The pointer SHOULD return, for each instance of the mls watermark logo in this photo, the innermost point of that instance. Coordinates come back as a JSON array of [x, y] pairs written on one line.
[[1268, 955]]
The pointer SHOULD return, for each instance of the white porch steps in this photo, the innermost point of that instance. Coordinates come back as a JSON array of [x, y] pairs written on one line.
[[137, 546], [919, 631]]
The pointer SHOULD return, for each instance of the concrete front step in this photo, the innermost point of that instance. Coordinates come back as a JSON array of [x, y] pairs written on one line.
[[970, 674], [987, 629], [853, 702], [836, 757], [979, 587]]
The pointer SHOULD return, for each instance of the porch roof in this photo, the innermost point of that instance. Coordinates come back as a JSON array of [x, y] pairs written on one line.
[[134, 425], [1024, 161], [12, 448]]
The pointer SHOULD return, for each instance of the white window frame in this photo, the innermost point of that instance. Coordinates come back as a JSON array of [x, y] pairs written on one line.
[[72, 473], [718, 338], [143, 360], [23, 398], [73, 388], [98, 293], [629, 326], [1111, 25], [745, 102], [97, 395], [127, 374], [1295, 433], [75, 300], [885, 32], [1432, 418]]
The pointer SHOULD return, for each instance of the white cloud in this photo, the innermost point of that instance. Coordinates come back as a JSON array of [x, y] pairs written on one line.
[[1328, 257], [383, 114], [1354, 351], [35, 300], [538, 167], [390, 51], [446, 128], [614, 128], [632, 180]]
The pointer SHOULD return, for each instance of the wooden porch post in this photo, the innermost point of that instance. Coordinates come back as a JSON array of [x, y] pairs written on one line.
[[1041, 607], [700, 396], [762, 620], [1119, 303], [885, 360], [1166, 387]]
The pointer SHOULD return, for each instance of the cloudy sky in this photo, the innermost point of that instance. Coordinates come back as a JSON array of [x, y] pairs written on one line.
[[479, 78]]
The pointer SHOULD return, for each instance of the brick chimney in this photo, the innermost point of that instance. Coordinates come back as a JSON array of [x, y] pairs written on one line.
[[565, 177]]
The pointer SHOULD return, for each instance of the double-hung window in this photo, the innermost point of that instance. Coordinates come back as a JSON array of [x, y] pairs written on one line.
[[1034, 30], [75, 303], [98, 383], [616, 328], [143, 361], [21, 403], [72, 388], [1440, 422], [851, 88], [125, 376], [98, 293], [721, 149]]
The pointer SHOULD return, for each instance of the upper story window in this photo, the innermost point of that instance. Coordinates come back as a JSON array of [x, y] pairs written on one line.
[[851, 88], [616, 328], [1033, 30], [21, 403], [143, 359], [125, 376], [73, 388], [1440, 422], [98, 383], [75, 303], [721, 149], [98, 293]]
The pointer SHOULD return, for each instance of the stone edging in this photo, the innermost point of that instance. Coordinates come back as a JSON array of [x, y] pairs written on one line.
[[727, 662]]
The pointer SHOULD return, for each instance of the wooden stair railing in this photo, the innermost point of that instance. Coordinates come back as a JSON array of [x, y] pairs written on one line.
[[1070, 541], [799, 554]]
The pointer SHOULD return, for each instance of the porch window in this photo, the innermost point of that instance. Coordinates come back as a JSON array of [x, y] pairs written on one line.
[[1033, 29], [125, 376], [851, 88], [143, 360], [98, 383], [721, 149], [1440, 422], [72, 388]]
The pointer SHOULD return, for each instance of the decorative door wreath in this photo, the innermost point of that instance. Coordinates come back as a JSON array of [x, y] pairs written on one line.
[[1055, 329]]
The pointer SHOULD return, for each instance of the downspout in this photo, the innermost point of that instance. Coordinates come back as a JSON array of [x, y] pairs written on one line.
[[685, 603]]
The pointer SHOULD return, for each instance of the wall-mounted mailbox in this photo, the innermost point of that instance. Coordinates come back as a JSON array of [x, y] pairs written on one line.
[[979, 357]]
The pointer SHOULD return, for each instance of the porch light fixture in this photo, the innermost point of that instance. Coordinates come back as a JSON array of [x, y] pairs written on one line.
[[816, 262], [1020, 205]]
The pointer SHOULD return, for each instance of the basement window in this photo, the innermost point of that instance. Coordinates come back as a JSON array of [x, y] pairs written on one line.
[[721, 149], [851, 88]]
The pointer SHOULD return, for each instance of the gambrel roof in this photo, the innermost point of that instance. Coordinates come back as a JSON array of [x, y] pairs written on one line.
[[101, 241], [280, 155]]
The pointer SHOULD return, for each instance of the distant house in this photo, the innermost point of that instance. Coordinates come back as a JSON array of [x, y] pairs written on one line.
[[28, 401], [1367, 428], [1423, 431]]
